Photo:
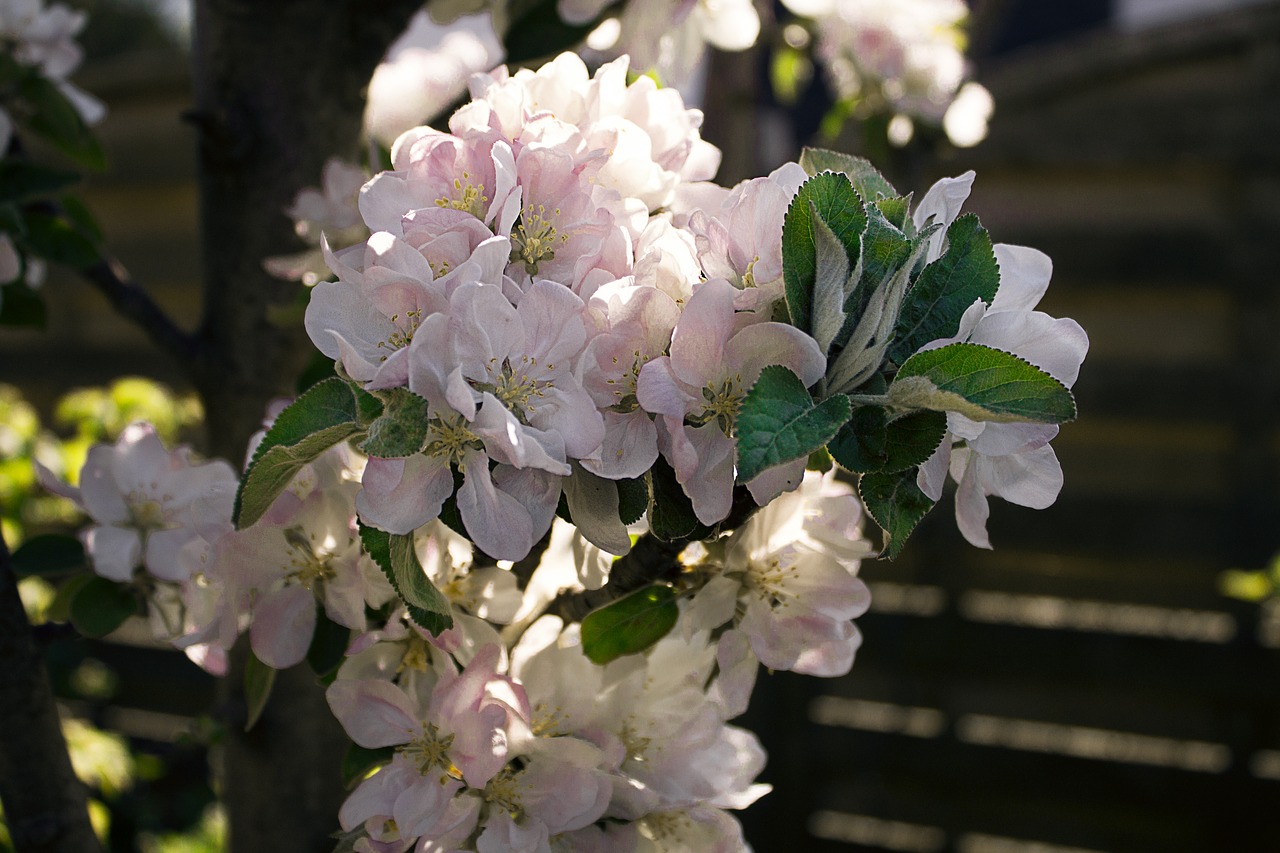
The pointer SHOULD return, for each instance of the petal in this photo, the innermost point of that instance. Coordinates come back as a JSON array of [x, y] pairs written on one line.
[[115, 551], [401, 495], [593, 505], [499, 525], [373, 712], [283, 624]]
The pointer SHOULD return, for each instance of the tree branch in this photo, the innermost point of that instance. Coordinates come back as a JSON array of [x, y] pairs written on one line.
[[44, 802], [130, 300]]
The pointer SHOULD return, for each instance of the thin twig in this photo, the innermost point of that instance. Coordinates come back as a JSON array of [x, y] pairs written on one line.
[[132, 301]]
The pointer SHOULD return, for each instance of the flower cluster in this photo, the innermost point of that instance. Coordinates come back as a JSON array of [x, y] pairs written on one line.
[[903, 58], [555, 280]]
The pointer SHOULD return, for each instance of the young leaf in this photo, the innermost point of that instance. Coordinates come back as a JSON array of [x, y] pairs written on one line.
[[897, 211], [401, 429], [897, 505], [830, 283], [633, 499], [325, 415], [57, 120], [100, 606], [258, 681], [832, 198], [981, 383], [49, 554], [912, 439], [779, 422], [965, 273], [866, 179], [629, 625], [394, 554], [859, 446], [359, 761]]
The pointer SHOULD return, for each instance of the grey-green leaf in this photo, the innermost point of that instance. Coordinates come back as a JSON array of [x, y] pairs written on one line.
[[831, 282], [401, 429], [394, 554], [897, 505], [981, 383], [322, 417], [779, 422], [866, 178], [629, 625], [833, 199], [965, 273], [49, 554]]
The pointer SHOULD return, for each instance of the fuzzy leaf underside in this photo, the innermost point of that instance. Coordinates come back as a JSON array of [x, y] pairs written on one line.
[[401, 429], [830, 197], [866, 178]]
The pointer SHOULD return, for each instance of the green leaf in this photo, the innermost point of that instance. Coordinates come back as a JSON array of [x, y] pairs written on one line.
[[897, 505], [57, 240], [946, 288], [779, 422], [325, 415], [671, 515], [633, 499], [394, 554], [50, 554], [981, 383], [831, 198], [21, 180], [328, 647], [866, 179], [912, 439], [629, 625], [830, 283], [100, 606], [258, 681], [21, 307], [56, 119], [79, 215], [859, 446], [359, 761], [401, 429], [896, 210]]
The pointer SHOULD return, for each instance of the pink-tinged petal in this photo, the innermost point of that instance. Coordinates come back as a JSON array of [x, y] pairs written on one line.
[[459, 395], [713, 605], [738, 667], [563, 794], [661, 393], [972, 509], [483, 327], [762, 344], [503, 835], [932, 475], [283, 624], [385, 199], [373, 713], [774, 481], [536, 490], [802, 641], [510, 441], [375, 796], [1003, 439], [1024, 277], [1031, 479], [344, 596], [115, 551], [629, 448], [140, 456], [497, 523], [699, 339], [401, 495], [711, 486], [569, 412], [479, 747], [552, 318], [421, 804], [98, 487], [54, 485], [163, 553]]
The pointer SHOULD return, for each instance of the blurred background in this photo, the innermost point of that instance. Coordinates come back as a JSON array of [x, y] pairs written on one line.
[[1108, 678]]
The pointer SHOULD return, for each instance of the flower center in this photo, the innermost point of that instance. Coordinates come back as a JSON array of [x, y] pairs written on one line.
[[417, 655], [504, 792], [515, 387], [403, 335], [723, 403], [769, 580], [625, 388], [534, 239], [429, 750], [637, 745], [145, 513], [450, 438], [467, 196], [311, 567]]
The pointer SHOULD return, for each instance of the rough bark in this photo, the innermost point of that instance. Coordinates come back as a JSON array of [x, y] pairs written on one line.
[[44, 803], [278, 88]]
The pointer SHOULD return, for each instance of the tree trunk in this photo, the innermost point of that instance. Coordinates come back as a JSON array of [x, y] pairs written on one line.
[[279, 89], [44, 802]]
